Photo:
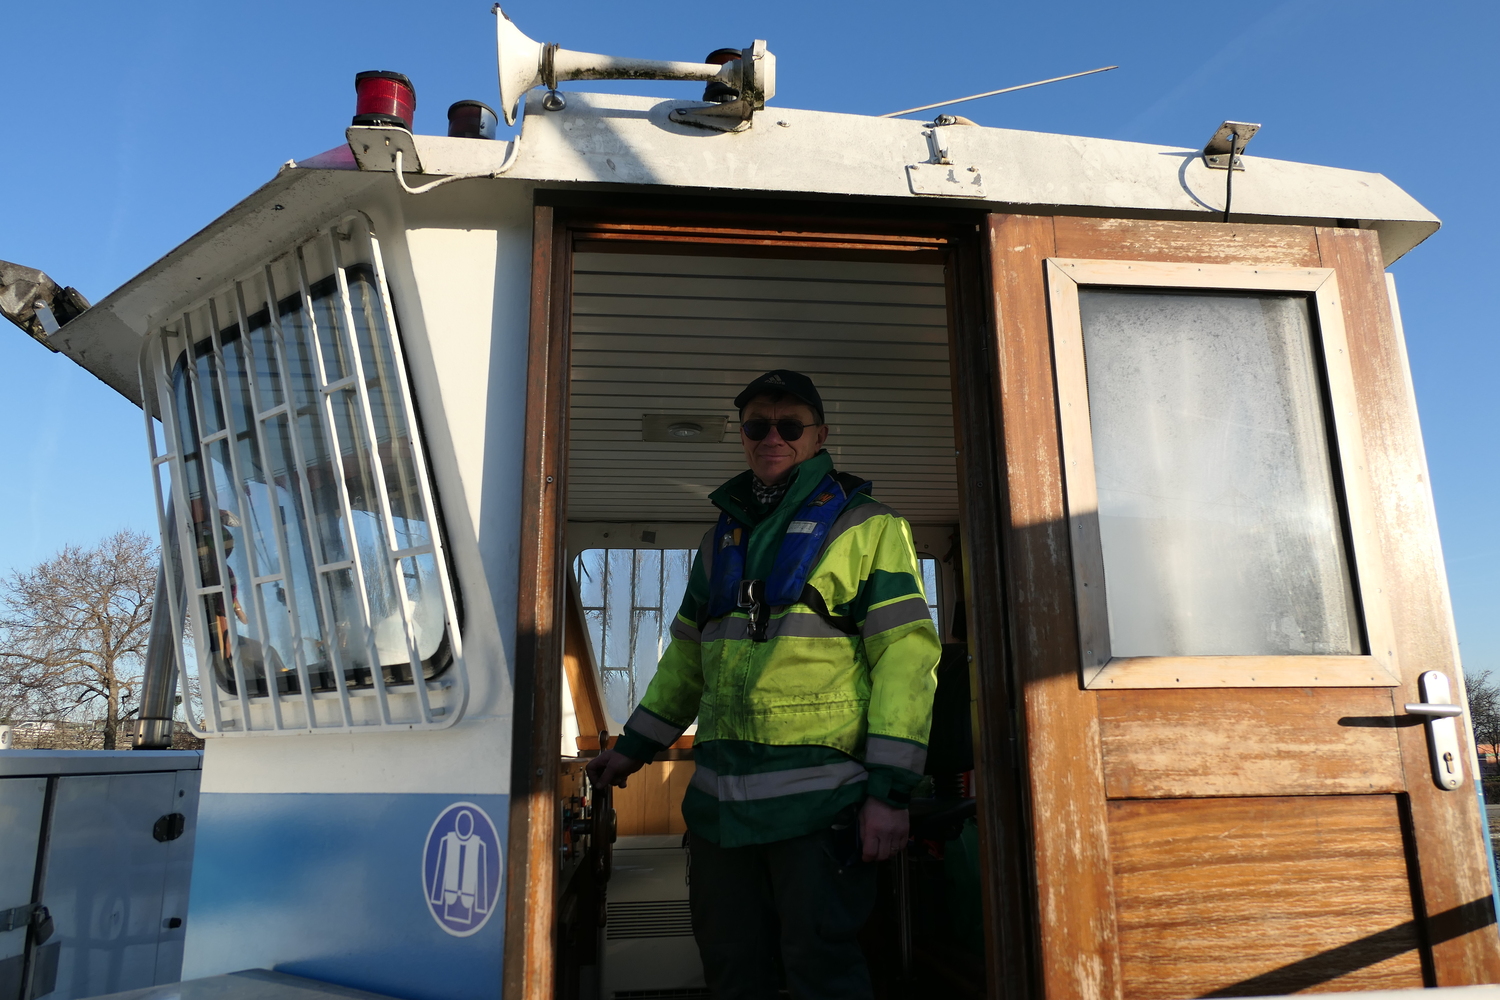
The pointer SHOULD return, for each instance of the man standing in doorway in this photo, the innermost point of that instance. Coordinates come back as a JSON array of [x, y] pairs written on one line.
[[804, 649]]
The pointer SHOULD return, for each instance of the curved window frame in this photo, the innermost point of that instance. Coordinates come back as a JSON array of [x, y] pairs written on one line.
[[353, 563]]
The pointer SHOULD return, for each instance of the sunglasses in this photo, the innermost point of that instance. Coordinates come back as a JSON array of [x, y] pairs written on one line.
[[757, 428]]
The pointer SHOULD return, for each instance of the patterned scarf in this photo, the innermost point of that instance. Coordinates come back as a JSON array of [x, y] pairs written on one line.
[[769, 496]]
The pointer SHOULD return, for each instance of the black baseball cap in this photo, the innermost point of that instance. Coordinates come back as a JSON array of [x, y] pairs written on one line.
[[792, 383]]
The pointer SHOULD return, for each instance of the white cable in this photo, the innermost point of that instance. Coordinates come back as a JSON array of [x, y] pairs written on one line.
[[505, 165]]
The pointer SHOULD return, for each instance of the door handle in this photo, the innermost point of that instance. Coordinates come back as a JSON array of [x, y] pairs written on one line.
[[1436, 711], [1440, 716]]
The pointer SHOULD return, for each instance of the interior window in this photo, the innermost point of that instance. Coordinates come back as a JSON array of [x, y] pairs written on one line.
[[629, 598], [929, 568]]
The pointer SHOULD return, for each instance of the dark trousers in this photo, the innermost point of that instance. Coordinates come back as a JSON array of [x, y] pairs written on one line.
[[790, 906]]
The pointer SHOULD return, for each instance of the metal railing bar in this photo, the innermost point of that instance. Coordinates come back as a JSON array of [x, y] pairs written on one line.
[[455, 706], [210, 494], [314, 532], [343, 383], [166, 408], [278, 523], [380, 485], [313, 536], [187, 548], [242, 501], [211, 502], [346, 508]]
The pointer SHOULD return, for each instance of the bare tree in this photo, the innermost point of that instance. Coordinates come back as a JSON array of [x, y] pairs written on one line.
[[1484, 709], [75, 628]]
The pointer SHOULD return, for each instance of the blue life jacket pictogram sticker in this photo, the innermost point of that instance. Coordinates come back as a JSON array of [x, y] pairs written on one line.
[[461, 869]]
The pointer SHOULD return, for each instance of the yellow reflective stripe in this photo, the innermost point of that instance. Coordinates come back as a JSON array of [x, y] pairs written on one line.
[[774, 784]]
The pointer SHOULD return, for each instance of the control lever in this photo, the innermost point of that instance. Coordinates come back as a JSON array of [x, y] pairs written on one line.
[[1440, 716]]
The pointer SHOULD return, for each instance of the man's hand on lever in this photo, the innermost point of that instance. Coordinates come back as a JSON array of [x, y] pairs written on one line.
[[883, 829], [611, 768]]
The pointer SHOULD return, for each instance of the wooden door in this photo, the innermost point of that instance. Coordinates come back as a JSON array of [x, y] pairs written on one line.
[[1223, 582]]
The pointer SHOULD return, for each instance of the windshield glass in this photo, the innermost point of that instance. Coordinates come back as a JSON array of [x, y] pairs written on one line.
[[305, 487]]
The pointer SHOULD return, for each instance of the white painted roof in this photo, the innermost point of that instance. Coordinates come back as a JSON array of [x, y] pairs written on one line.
[[628, 143]]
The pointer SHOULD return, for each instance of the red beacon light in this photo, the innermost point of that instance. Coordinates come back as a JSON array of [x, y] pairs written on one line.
[[384, 98], [472, 120]]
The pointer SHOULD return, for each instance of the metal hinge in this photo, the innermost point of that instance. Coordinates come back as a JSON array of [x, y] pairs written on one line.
[[32, 914], [17, 916]]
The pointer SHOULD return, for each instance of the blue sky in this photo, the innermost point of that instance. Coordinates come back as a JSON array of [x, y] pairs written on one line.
[[129, 127]]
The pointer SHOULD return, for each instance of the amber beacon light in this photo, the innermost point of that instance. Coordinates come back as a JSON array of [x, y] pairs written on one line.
[[384, 98]]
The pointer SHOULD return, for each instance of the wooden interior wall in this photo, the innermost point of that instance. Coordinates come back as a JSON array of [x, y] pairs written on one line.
[[651, 802]]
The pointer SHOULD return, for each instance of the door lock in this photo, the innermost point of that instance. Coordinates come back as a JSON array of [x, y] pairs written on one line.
[[1440, 716]]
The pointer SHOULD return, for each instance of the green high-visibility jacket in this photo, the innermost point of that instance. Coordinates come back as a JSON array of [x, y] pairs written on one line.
[[793, 730]]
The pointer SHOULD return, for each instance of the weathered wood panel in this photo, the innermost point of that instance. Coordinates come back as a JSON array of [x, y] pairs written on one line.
[[1075, 903], [1006, 876], [1254, 897], [1223, 243], [1449, 844], [531, 872], [1257, 741]]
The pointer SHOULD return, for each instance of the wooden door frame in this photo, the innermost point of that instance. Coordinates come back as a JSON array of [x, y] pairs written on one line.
[[1079, 955], [773, 229]]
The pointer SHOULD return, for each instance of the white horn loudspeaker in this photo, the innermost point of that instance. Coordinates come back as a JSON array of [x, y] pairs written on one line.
[[525, 64]]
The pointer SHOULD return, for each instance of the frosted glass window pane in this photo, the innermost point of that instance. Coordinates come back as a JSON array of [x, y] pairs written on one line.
[[1218, 515]]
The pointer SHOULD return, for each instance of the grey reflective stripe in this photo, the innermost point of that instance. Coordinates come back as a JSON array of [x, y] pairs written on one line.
[[904, 612], [774, 784], [682, 630], [852, 519], [654, 729], [720, 628], [895, 753], [803, 625], [792, 624], [705, 781]]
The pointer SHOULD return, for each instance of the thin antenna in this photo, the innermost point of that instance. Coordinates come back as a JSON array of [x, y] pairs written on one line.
[[992, 93]]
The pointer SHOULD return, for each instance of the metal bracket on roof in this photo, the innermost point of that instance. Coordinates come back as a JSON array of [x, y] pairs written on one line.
[[940, 175], [732, 116], [375, 148], [1231, 137]]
